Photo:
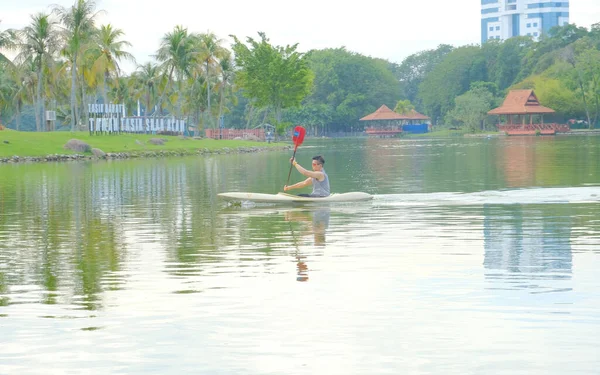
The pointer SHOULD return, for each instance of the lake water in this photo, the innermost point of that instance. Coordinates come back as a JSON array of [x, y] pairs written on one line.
[[477, 256]]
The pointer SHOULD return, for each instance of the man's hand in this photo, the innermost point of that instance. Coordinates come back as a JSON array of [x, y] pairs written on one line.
[[286, 188]]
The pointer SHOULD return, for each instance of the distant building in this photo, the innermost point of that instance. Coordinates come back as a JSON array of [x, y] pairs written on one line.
[[503, 19], [524, 115], [385, 122]]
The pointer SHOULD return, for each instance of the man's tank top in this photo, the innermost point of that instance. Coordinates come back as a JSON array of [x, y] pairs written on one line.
[[320, 188]]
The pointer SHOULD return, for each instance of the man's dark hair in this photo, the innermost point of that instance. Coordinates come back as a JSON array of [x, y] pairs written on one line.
[[319, 159]]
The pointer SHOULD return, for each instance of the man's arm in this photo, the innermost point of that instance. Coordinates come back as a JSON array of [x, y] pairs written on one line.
[[311, 174], [299, 185]]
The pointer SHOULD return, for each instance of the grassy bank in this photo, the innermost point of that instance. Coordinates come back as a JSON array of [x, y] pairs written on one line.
[[30, 144]]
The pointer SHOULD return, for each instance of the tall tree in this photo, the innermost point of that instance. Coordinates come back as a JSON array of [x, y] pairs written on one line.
[[210, 52], [109, 51], [145, 82], [544, 53], [451, 78], [6, 86], [508, 60], [24, 76], [195, 101], [417, 66], [176, 55], [570, 56], [595, 35], [7, 39], [274, 76], [588, 67], [350, 85], [78, 28], [225, 85], [471, 108], [6, 42], [39, 44]]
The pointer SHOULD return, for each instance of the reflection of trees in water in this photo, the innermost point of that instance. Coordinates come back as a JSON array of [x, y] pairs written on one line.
[[69, 229], [4, 301], [74, 222], [529, 239], [66, 237]]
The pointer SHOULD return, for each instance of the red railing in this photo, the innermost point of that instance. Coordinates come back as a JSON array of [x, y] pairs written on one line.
[[378, 131], [547, 129], [236, 133]]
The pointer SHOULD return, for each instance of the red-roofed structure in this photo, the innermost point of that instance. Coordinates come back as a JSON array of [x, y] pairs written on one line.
[[520, 106], [414, 115], [386, 122], [381, 114]]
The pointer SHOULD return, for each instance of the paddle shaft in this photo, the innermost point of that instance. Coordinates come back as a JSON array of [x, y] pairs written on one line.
[[291, 165]]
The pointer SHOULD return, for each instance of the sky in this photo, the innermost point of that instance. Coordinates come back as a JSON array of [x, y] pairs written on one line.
[[392, 30]]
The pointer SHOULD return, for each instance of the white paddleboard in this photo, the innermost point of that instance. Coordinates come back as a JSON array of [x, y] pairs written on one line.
[[284, 197]]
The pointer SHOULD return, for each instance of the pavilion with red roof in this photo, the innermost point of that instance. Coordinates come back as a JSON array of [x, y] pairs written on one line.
[[520, 108], [385, 122]]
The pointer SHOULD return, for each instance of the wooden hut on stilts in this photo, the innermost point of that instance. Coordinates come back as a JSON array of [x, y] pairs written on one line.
[[386, 123], [525, 115]]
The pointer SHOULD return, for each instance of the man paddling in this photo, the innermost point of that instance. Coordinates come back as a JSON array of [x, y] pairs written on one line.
[[317, 178]]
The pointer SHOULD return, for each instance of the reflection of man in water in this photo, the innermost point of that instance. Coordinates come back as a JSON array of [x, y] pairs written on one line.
[[318, 223], [302, 274]]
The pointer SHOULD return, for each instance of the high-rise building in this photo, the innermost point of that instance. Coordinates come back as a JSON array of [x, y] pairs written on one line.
[[502, 19]]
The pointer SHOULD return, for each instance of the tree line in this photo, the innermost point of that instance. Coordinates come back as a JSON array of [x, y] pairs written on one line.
[[65, 61]]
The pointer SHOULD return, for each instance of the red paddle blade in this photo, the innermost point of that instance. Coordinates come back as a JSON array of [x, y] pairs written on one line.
[[298, 135]]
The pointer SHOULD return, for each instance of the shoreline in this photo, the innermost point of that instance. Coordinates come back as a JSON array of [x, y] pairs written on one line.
[[41, 147], [137, 154]]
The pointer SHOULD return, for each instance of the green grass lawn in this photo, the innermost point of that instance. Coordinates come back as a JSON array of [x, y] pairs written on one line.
[[41, 144]]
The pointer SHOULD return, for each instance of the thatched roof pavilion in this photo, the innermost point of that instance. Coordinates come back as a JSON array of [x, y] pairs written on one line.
[[520, 106], [384, 121]]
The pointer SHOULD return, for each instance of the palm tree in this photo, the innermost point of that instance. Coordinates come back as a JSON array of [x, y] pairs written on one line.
[[225, 84], [7, 38], [6, 42], [6, 86], [78, 23], [88, 84], [59, 80], [25, 77], [210, 51], [38, 43], [146, 81], [60, 84], [107, 55], [176, 55], [119, 92], [195, 100]]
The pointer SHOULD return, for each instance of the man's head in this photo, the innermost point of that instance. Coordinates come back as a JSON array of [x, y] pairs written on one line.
[[317, 162]]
